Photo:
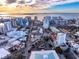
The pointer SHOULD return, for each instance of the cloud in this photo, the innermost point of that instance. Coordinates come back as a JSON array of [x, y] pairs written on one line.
[[10, 1]]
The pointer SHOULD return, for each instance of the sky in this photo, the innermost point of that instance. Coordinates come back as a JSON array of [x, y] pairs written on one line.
[[65, 8], [72, 6]]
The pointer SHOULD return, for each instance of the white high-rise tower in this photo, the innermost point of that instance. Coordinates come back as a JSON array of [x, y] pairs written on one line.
[[8, 26]]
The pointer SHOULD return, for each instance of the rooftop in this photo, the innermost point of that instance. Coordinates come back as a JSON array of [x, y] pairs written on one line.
[[3, 53], [49, 54]]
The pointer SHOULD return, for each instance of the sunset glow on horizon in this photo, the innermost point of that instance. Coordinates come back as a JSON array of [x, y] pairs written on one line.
[[33, 6]]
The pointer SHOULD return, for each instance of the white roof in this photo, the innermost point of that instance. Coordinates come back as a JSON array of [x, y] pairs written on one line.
[[15, 42], [3, 53], [77, 33], [12, 40], [54, 29], [8, 46], [16, 34], [24, 38], [61, 38], [44, 54]]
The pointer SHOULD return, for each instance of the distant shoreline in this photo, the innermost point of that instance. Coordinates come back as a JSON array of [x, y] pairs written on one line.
[[32, 13]]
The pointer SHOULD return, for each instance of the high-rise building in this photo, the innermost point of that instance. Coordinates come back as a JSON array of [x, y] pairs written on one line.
[[2, 29], [77, 22], [23, 22], [35, 18], [5, 27], [62, 23], [46, 22], [13, 22], [8, 26]]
